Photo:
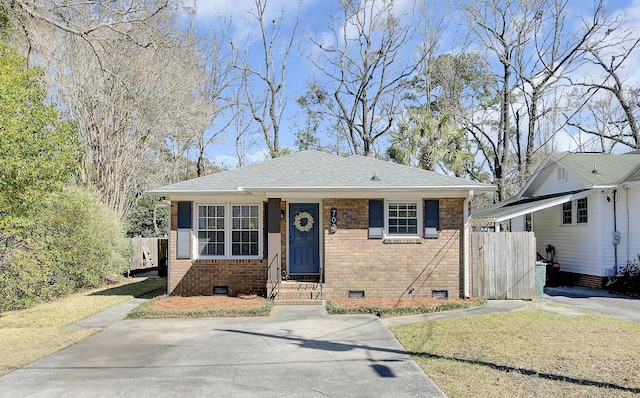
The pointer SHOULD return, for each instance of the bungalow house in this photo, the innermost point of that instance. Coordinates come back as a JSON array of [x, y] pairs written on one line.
[[584, 208], [353, 225]]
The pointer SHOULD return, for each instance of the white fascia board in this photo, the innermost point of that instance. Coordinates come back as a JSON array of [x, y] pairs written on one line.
[[463, 189], [560, 200], [368, 194]]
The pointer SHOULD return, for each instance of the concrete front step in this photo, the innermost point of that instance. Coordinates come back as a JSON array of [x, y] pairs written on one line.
[[291, 291]]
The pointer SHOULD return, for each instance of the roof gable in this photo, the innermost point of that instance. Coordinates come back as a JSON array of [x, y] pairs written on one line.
[[315, 170], [584, 171]]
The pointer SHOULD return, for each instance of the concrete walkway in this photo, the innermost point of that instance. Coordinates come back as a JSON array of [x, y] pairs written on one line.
[[297, 352]]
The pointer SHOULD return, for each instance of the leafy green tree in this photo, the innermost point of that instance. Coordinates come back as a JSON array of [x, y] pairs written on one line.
[[428, 141], [38, 150], [141, 219]]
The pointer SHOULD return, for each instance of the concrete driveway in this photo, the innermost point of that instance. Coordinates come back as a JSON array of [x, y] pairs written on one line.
[[599, 301], [298, 352]]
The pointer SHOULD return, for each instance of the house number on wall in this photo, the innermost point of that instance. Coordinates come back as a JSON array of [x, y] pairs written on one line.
[[334, 220]]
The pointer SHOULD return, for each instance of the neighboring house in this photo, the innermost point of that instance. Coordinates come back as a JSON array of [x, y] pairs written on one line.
[[586, 206], [354, 224]]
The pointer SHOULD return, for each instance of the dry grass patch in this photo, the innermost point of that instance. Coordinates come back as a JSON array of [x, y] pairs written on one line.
[[528, 353], [30, 334]]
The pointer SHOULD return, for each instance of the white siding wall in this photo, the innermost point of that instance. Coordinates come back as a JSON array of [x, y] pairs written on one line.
[[578, 246], [517, 224], [628, 224], [608, 249], [552, 185], [633, 234]]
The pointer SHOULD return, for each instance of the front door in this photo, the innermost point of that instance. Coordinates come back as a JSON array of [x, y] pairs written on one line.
[[304, 238]]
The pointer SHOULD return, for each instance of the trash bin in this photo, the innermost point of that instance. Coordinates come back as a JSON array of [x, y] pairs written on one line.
[[541, 277]]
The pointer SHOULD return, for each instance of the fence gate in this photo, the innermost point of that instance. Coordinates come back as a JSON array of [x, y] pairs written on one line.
[[504, 265], [149, 253]]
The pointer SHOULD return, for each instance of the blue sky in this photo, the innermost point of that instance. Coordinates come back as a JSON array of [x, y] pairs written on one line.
[[314, 20]]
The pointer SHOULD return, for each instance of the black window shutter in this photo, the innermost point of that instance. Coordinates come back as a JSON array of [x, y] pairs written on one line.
[[376, 218], [183, 243], [431, 218], [265, 229], [184, 215]]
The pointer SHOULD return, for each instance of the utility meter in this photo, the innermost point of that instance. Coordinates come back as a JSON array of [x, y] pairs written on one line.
[[615, 237]]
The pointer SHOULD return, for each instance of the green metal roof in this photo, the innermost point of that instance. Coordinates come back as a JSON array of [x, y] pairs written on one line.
[[603, 168]]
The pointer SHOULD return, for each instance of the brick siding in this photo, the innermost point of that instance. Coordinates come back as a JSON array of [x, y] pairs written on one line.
[[382, 268], [198, 277], [390, 268]]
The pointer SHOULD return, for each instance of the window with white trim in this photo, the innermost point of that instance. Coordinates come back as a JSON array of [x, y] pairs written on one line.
[[244, 230], [402, 218], [567, 213], [528, 222], [582, 213], [211, 226], [228, 230]]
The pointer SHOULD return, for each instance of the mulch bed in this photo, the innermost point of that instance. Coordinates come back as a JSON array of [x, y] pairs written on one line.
[[177, 303], [391, 303]]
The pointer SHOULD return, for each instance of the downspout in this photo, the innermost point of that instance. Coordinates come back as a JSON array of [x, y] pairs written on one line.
[[465, 244], [615, 231]]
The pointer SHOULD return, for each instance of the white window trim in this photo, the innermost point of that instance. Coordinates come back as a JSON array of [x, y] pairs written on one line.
[[573, 214], [228, 223], [419, 214], [578, 211]]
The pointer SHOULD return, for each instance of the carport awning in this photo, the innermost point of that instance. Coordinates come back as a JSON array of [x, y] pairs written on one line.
[[517, 207]]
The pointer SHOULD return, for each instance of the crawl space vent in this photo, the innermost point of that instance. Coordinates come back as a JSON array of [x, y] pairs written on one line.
[[356, 294], [440, 294], [221, 290]]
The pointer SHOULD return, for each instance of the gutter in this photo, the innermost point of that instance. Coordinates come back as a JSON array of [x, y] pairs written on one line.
[[465, 243]]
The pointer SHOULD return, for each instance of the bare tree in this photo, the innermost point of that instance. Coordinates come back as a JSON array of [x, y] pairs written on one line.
[[264, 76], [612, 101], [91, 20], [365, 68], [126, 102], [532, 51], [217, 93]]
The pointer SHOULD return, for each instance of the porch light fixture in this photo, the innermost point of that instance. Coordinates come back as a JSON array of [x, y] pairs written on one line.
[[375, 178]]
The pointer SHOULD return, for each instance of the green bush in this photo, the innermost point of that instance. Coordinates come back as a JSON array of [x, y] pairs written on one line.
[[629, 280], [71, 241]]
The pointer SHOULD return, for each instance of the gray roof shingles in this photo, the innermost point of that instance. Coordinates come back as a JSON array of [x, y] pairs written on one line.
[[318, 170]]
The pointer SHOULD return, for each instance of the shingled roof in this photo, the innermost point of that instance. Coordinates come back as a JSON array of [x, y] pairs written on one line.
[[319, 171]]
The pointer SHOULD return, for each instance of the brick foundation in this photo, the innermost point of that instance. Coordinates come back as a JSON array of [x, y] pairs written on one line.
[[589, 281]]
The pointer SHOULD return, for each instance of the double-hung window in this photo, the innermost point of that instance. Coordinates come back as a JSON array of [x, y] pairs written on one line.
[[228, 230], [402, 218], [211, 226], [244, 230], [567, 213], [582, 214]]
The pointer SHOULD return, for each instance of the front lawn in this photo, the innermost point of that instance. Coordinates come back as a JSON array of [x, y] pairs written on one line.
[[528, 353], [30, 334]]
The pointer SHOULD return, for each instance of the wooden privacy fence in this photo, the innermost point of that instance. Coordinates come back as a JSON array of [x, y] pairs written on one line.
[[149, 253], [504, 265]]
